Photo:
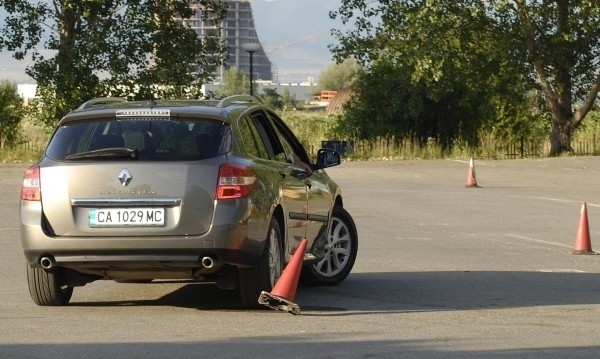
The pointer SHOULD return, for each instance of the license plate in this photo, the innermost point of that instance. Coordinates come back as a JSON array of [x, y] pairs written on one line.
[[127, 217]]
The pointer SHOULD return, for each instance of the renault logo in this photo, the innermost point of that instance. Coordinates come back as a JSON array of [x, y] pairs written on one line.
[[125, 177]]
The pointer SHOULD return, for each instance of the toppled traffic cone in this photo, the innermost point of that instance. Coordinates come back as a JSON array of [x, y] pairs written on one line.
[[583, 243], [471, 178], [284, 292]]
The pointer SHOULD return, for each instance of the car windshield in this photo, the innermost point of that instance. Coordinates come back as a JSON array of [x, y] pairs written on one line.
[[140, 139]]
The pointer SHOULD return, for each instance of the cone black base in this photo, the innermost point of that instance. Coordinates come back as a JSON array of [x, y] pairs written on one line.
[[584, 251], [278, 303]]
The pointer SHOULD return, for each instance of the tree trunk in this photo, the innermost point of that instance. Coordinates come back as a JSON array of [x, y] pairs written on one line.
[[562, 134]]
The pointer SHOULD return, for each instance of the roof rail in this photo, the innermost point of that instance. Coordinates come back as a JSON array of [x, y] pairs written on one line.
[[100, 101], [237, 99]]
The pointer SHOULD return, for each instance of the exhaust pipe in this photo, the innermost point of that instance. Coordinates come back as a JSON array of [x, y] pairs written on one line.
[[207, 262], [47, 262]]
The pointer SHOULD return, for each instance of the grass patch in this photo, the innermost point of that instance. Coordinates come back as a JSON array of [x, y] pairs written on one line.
[[30, 144], [312, 128]]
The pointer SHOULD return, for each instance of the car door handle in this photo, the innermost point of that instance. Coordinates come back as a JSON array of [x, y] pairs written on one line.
[[299, 174], [296, 173]]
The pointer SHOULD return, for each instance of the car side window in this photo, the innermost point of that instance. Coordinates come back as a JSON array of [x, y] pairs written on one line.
[[253, 142], [269, 137], [290, 142]]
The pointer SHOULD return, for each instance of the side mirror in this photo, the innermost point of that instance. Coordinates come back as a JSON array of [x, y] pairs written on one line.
[[328, 158]]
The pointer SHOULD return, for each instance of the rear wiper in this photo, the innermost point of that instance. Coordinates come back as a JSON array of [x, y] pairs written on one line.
[[106, 153]]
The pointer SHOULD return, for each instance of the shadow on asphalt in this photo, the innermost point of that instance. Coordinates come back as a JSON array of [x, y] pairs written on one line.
[[405, 291], [435, 291], [360, 294], [289, 347]]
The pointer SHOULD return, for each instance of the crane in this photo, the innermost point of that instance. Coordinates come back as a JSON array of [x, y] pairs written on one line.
[[292, 43]]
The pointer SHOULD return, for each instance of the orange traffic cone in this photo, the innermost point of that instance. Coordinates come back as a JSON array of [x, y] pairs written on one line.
[[471, 178], [583, 244], [284, 291]]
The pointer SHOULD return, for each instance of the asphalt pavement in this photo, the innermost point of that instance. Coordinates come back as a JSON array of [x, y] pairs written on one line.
[[443, 271]]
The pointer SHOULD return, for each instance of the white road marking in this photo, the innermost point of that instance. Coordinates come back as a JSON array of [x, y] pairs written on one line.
[[475, 162], [536, 240]]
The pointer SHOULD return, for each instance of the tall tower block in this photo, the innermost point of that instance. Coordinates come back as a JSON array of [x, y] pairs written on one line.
[[238, 29]]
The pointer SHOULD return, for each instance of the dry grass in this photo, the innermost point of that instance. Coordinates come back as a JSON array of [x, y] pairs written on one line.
[[312, 128]]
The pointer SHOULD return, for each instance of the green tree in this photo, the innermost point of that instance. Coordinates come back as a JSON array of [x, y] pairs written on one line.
[[235, 82], [432, 69], [288, 100], [562, 40], [271, 98], [338, 75], [521, 46], [136, 48], [11, 114]]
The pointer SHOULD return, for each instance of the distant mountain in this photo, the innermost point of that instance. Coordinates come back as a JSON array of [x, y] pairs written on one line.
[[295, 35]]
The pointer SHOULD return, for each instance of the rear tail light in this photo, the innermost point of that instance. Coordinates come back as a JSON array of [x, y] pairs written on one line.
[[30, 191], [235, 181]]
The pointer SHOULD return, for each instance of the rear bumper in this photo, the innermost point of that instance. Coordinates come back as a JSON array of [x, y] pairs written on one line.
[[228, 244], [234, 238]]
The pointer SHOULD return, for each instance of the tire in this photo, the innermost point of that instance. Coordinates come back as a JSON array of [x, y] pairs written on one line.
[[252, 281], [46, 288], [341, 249]]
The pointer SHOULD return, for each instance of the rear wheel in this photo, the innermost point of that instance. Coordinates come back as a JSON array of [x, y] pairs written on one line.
[[340, 252], [252, 281], [46, 287]]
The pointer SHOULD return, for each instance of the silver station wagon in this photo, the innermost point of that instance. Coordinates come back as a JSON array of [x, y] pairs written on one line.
[[208, 191]]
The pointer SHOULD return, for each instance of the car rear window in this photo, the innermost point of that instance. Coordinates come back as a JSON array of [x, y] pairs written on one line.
[[140, 138]]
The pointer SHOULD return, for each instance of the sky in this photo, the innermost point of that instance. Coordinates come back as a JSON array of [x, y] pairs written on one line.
[[294, 33]]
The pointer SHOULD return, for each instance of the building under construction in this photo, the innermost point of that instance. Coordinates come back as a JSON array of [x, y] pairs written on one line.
[[237, 30]]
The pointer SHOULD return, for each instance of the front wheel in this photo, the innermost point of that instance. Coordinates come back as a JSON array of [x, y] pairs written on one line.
[[46, 287], [252, 281], [340, 252]]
